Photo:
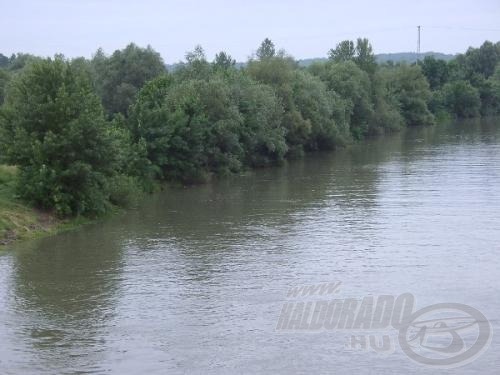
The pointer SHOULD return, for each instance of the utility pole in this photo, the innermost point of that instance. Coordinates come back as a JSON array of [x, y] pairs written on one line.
[[418, 44]]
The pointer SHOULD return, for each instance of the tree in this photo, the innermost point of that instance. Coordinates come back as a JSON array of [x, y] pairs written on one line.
[[4, 79], [387, 116], [4, 61], [462, 99], [354, 87], [196, 66], [53, 129], [409, 87], [190, 128], [312, 116], [494, 81], [365, 58], [223, 62], [266, 50], [119, 77], [483, 60], [344, 51], [261, 135], [323, 110], [436, 72]]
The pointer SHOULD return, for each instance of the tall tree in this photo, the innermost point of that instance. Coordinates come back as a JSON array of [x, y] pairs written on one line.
[[223, 61], [53, 129], [266, 49], [119, 77], [344, 51], [365, 58]]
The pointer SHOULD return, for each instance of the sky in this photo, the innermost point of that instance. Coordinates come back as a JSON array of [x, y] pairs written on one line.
[[305, 29]]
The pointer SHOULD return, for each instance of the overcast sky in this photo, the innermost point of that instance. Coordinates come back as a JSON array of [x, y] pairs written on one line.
[[303, 28]]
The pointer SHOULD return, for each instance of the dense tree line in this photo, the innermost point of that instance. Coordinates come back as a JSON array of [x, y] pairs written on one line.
[[89, 134], [467, 86]]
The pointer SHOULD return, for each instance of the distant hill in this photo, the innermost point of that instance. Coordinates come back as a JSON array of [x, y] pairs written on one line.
[[409, 57]]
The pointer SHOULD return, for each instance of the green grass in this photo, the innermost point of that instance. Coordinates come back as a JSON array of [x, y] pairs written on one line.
[[17, 220]]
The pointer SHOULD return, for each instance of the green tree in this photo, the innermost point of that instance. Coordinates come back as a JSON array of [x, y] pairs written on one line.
[[309, 111], [120, 76], [361, 54], [436, 72], [494, 81], [196, 66], [365, 58], [190, 128], [261, 135], [354, 87], [387, 116], [408, 85], [4, 61], [4, 80], [266, 50], [53, 129], [223, 62], [344, 51], [278, 72], [462, 99]]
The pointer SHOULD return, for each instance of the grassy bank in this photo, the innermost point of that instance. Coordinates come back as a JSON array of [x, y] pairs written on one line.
[[18, 221]]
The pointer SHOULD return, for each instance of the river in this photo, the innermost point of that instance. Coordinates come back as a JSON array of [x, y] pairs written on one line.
[[194, 279]]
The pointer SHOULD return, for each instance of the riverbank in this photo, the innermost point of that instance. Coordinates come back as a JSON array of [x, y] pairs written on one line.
[[19, 221]]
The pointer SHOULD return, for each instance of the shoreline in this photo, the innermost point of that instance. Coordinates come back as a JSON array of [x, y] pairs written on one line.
[[20, 222], [28, 223]]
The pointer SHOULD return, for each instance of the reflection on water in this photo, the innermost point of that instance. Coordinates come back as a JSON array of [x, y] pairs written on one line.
[[193, 280]]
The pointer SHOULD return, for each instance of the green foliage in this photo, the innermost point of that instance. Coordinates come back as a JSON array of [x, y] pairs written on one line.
[[472, 72], [309, 109], [365, 58], [4, 80], [18, 61], [343, 52], [189, 128], [436, 72], [353, 85], [119, 77], [462, 99], [262, 137], [210, 118], [494, 81], [54, 130], [410, 88], [387, 116], [4, 61], [319, 109], [124, 191], [266, 50], [362, 54], [223, 62]]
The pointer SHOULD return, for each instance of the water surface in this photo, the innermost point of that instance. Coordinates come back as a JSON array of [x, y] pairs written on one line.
[[194, 279]]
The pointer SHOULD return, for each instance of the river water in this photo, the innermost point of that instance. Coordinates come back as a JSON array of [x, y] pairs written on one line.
[[194, 279]]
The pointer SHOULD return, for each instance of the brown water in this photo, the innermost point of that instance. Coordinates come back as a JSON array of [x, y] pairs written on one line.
[[193, 280]]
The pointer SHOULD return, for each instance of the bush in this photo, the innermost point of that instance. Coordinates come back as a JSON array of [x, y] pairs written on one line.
[[124, 191]]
